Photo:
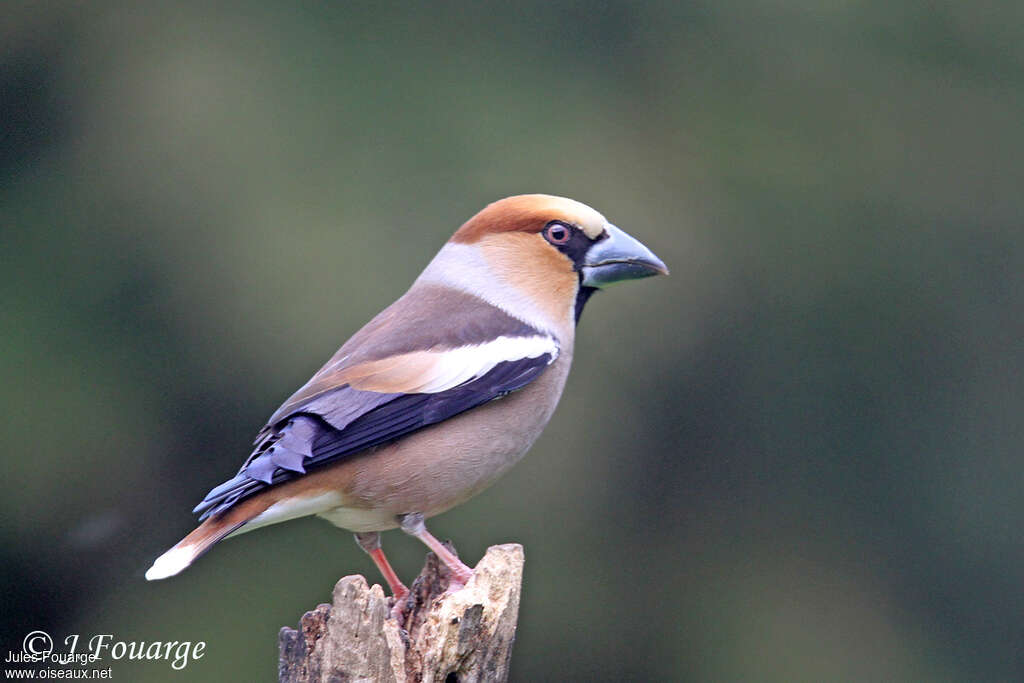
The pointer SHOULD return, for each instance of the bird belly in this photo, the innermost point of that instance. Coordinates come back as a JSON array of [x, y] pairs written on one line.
[[360, 520]]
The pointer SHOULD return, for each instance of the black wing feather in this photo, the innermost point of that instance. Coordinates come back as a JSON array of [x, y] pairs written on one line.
[[305, 440]]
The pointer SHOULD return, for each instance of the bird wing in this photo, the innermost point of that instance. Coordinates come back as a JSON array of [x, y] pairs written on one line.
[[418, 363]]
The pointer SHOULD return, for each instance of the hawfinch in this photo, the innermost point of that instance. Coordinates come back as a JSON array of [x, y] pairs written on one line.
[[404, 421]]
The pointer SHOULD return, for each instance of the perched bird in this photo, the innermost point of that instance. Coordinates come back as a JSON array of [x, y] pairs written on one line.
[[404, 421]]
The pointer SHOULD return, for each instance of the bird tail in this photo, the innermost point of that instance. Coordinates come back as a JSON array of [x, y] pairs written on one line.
[[188, 549], [212, 530]]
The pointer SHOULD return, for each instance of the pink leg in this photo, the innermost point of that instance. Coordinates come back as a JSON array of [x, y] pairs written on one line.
[[371, 544], [398, 588], [413, 525]]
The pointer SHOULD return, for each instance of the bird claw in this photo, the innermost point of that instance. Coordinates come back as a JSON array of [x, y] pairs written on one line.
[[460, 576], [398, 612], [400, 607]]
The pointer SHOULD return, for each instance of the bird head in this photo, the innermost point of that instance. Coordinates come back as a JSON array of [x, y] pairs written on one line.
[[555, 249]]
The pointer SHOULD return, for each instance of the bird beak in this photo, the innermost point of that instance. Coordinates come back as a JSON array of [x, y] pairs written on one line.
[[619, 257]]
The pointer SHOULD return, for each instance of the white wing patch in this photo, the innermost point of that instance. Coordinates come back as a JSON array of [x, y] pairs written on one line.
[[457, 366]]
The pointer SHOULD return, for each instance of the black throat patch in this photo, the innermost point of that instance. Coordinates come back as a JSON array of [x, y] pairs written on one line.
[[582, 297]]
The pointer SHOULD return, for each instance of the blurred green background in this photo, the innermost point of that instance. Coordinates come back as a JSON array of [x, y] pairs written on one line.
[[797, 458]]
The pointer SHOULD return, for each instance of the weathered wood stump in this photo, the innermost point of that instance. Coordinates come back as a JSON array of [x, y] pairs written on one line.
[[463, 636]]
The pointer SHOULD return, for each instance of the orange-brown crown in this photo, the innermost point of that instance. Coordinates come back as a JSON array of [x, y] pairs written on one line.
[[529, 213]]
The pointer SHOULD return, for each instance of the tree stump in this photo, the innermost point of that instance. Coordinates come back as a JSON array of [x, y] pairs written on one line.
[[462, 636]]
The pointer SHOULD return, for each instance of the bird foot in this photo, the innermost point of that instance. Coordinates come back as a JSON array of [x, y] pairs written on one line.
[[400, 608], [460, 576]]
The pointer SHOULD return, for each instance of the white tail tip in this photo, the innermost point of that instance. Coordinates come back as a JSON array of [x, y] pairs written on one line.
[[171, 563]]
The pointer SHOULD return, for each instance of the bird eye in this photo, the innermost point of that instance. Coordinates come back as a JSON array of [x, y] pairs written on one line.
[[557, 233]]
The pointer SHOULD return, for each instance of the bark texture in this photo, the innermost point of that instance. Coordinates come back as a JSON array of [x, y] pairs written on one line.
[[463, 636]]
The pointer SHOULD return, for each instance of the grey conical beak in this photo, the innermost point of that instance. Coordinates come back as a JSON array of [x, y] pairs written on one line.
[[619, 257]]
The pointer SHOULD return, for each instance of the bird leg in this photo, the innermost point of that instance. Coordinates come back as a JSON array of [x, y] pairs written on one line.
[[413, 525], [370, 542]]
